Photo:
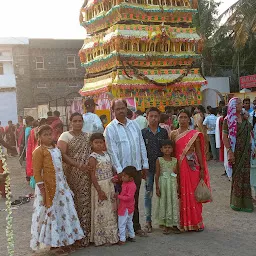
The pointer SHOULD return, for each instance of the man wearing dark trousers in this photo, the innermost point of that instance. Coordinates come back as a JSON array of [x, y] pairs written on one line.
[[126, 147], [153, 135]]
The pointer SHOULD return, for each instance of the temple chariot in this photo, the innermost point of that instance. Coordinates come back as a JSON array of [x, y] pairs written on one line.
[[147, 50]]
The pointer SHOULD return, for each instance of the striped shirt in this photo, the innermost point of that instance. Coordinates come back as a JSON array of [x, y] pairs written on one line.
[[125, 145]]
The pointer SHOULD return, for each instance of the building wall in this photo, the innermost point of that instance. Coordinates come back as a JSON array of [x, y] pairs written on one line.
[[22, 72], [8, 104], [210, 97], [55, 80], [8, 107], [7, 79]]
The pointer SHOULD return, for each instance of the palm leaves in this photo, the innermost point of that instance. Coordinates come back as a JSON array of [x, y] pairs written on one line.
[[241, 22]]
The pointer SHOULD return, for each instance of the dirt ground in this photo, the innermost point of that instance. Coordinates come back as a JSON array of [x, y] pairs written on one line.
[[227, 232]]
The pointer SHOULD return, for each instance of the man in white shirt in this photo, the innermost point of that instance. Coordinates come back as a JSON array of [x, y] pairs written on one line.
[[126, 147], [92, 122], [210, 123], [141, 120]]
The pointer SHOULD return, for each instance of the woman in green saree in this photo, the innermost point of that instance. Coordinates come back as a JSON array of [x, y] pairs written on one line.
[[237, 140]]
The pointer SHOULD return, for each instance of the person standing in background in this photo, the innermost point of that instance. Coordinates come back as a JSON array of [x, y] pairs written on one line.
[[170, 112], [57, 126], [1, 130], [237, 140], [141, 120], [247, 105], [164, 120], [10, 138], [129, 114], [20, 130], [50, 118], [153, 136], [199, 117], [92, 123], [210, 124]]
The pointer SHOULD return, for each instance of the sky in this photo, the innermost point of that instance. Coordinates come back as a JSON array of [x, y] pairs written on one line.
[[47, 18]]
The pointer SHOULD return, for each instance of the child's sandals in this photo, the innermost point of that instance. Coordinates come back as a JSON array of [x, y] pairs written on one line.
[[167, 231]]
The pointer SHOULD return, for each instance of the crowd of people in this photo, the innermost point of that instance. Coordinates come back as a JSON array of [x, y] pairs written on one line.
[[87, 180]]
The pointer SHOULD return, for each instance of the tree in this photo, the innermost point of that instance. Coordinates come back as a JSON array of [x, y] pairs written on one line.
[[241, 21], [238, 33], [206, 22]]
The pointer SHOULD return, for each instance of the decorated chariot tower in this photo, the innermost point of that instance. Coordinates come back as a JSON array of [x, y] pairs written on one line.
[[142, 49]]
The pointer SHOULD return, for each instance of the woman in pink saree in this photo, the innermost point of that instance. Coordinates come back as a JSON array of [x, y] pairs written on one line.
[[189, 150]]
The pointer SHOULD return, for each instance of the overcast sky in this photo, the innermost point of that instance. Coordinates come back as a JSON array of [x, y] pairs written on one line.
[[47, 18]]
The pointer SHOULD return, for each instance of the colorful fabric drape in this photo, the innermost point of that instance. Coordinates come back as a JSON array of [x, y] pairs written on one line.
[[31, 145], [189, 177], [232, 128]]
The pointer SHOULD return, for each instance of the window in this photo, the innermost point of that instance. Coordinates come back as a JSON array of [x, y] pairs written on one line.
[[41, 85], [71, 61], [39, 62], [1, 69], [73, 85]]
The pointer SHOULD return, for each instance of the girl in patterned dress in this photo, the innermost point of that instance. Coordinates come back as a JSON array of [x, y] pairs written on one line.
[[166, 189], [104, 228], [54, 222]]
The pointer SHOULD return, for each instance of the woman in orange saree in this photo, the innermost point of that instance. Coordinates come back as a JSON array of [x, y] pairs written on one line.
[[189, 150]]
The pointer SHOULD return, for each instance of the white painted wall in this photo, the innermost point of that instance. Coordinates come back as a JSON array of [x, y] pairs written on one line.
[[7, 80], [8, 102], [210, 97], [8, 107]]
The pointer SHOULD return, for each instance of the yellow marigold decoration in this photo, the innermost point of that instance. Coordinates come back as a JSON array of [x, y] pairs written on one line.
[[9, 229]]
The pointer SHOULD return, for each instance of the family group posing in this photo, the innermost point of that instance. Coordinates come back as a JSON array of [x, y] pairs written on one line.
[[87, 188]]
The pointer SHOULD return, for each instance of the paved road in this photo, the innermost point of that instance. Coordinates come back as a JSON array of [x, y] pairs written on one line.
[[227, 233]]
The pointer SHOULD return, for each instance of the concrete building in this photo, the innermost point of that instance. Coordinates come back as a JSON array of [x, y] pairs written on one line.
[[48, 70], [8, 81]]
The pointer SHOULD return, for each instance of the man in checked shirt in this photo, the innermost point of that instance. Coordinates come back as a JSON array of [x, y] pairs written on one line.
[[153, 135]]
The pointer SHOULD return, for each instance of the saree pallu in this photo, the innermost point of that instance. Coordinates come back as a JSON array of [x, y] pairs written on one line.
[[189, 177], [241, 195], [31, 146], [80, 183]]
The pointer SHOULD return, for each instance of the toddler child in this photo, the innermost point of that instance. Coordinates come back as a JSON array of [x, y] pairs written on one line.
[[126, 205]]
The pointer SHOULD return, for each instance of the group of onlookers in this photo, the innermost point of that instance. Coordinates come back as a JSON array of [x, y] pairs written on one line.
[[87, 186]]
